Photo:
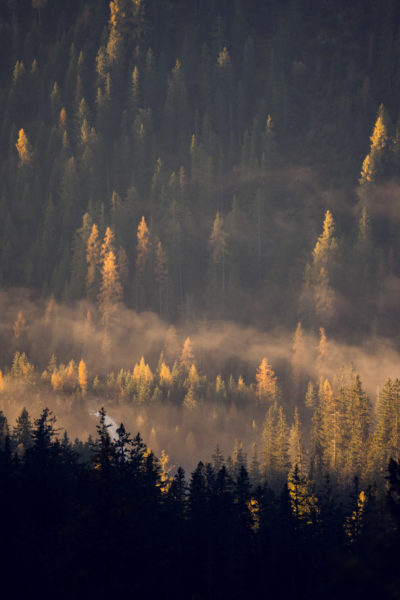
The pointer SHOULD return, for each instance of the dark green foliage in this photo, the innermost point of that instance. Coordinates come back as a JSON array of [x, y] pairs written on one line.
[[237, 101]]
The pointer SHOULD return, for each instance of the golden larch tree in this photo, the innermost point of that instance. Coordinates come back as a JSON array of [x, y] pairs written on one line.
[[24, 149], [266, 388], [165, 375], [83, 377], [187, 356], [326, 243], [379, 142], [110, 290], [108, 244]]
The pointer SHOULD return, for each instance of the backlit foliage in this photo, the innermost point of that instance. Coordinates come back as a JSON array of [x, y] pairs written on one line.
[[24, 149]]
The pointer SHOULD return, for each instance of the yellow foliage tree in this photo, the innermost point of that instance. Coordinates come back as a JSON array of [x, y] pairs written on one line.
[[326, 243], [266, 388], [110, 289], [379, 142], [318, 295], [193, 379], [187, 356], [24, 149], [83, 377], [108, 244], [57, 381], [165, 375]]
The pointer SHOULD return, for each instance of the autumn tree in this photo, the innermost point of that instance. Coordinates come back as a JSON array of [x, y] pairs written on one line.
[[83, 377], [187, 356], [24, 149], [373, 162], [318, 294], [266, 388], [110, 289]]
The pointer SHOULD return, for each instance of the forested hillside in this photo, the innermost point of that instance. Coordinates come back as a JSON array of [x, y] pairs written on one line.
[[200, 238], [181, 157]]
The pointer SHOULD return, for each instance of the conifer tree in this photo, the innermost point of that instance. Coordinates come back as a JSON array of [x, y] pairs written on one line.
[[93, 263], [374, 161], [266, 389], [22, 432], [24, 149], [218, 245], [187, 356], [296, 451], [357, 425], [318, 294], [143, 245], [83, 377], [110, 294]]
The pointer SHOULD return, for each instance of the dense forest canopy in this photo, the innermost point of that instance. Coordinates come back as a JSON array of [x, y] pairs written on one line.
[[206, 142], [199, 232]]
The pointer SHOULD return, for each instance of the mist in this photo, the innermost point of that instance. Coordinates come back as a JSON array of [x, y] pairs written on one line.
[[48, 328]]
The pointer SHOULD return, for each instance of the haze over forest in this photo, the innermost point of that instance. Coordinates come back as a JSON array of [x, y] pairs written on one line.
[[199, 232], [231, 169]]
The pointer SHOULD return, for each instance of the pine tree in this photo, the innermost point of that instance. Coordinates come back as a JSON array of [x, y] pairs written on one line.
[[22, 432]]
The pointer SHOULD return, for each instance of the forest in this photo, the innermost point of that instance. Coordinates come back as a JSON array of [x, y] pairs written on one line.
[[199, 245]]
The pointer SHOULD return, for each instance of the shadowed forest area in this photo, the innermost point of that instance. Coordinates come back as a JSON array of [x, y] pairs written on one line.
[[199, 238]]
